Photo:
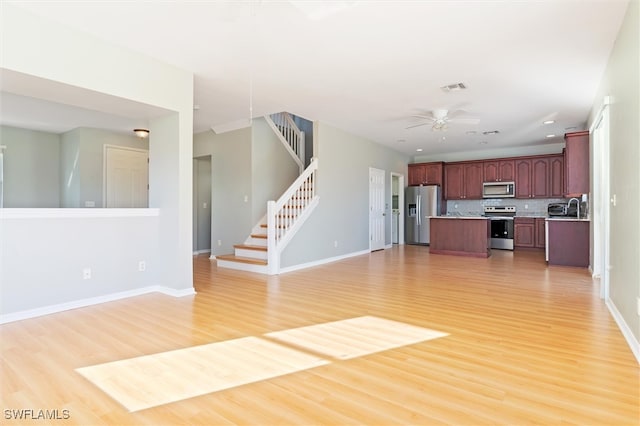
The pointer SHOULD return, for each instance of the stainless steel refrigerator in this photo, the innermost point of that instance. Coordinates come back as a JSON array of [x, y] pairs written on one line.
[[422, 202]]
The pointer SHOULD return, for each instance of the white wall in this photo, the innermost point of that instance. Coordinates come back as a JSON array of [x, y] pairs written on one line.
[[31, 168], [44, 52], [621, 82], [343, 186], [43, 258]]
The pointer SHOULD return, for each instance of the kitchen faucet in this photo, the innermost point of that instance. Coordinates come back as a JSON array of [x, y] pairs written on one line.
[[577, 205]]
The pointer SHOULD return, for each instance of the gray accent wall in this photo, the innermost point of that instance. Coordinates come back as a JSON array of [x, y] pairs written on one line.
[[230, 183], [342, 215], [82, 163], [47, 170], [273, 168], [247, 164], [620, 81], [31, 168], [202, 204]]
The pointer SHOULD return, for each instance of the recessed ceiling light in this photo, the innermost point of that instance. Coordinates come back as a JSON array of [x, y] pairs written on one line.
[[549, 122], [401, 140], [483, 143], [570, 128], [550, 136], [419, 149]]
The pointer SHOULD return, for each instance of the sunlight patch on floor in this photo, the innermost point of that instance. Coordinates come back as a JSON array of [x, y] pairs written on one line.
[[355, 337], [152, 380]]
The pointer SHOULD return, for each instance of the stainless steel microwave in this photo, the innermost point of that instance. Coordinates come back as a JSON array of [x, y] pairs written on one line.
[[498, 189]]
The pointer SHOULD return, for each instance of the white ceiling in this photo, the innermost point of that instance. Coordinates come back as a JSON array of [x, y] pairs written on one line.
[[369, 67]]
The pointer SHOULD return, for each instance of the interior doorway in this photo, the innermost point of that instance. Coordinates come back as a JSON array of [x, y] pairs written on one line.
[[202, 204], [126, 177], [377, 211], [397, 208]]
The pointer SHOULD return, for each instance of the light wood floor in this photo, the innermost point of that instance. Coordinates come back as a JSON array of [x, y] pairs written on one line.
[[528, 344]]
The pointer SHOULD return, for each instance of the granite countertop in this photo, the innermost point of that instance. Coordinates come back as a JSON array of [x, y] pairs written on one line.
[[460, 217], [568, 219]]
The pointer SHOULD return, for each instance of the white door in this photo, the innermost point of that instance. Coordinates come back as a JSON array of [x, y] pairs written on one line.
[[126, 177], [376, 209]]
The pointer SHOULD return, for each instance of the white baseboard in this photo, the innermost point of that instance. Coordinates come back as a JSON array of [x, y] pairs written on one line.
[[52, 309], [624, 328], [197, 252], [322, 261]]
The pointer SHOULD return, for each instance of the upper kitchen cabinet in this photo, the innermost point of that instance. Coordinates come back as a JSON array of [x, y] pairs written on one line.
[[556, 178], [532, 177], [499, 171], [463, 181], [576, 161], [425, 173]]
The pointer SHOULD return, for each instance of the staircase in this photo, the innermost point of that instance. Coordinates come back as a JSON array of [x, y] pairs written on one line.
[[261, 251]]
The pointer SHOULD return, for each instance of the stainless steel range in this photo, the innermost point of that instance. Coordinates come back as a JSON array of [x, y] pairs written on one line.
[[501, 226]]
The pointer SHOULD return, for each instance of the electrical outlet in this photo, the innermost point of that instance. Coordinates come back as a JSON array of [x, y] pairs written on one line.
[[639, 306], [246, 198], [526, 206], [219, 243], [86, 274], [204, 205], [335, 243], [142, 266]]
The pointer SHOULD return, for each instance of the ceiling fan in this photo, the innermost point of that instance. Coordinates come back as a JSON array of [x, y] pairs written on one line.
[[440, 119]]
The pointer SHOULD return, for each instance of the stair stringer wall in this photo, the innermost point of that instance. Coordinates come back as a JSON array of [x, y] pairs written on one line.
[[272, 168]]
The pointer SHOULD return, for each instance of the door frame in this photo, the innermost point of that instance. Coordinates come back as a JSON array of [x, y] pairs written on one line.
[[401, 191], [601, 192], [384, 209], [107, 147]]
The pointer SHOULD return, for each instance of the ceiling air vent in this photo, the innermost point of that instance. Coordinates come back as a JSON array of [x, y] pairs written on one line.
[[453, 87]]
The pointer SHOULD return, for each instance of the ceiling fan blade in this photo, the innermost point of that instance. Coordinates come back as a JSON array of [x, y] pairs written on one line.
[[426, 117], [416, 125], [464, 120]]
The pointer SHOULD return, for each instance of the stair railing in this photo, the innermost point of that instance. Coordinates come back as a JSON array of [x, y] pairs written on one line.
[[289, 134], [286, 215]]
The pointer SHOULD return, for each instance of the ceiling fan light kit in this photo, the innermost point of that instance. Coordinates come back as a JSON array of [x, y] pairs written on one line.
[[441, 118]]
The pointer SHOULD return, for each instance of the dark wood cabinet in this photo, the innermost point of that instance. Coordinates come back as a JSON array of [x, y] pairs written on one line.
[[463, 181], [568, 242], [453, 181], [539, 178], [532, 177], [556, 176], [523, 178], [540, 233], [499, 171], [576, 162], [425, 173], [473, 181], [524, 232], [461, 237]]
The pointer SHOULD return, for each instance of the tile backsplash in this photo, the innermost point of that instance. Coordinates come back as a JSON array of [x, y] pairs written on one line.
[[533, 207]]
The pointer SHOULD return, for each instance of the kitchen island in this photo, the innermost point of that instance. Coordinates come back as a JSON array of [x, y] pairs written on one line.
[[460, 236], [567, 241]]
